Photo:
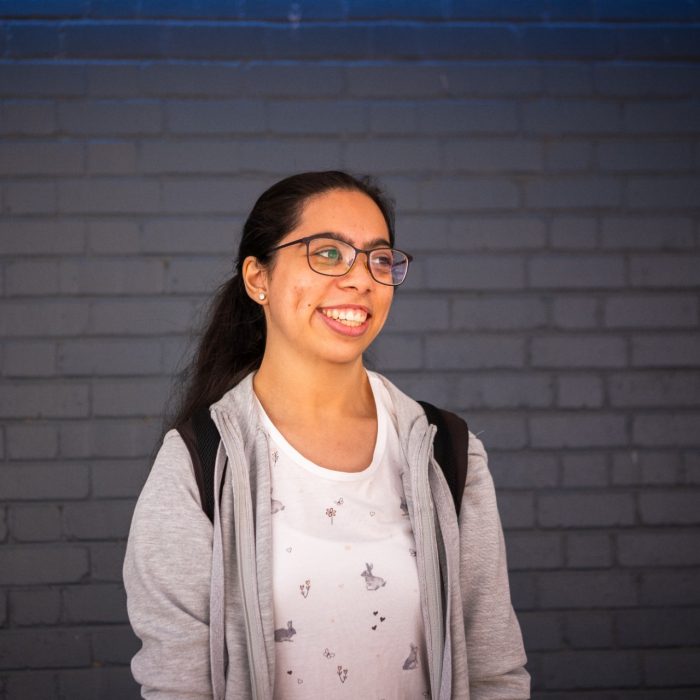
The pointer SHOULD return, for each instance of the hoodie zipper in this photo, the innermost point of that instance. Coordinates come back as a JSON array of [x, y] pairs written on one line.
[[425, 534], [424, 531], [245, 552]]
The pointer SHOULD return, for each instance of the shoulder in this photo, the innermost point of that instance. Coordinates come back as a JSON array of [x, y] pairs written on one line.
[[173, 456], [479, 480], [476, 447], [171, 478]]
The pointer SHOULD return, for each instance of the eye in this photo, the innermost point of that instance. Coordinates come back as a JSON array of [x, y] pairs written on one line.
[[383, 258], [328, 254]]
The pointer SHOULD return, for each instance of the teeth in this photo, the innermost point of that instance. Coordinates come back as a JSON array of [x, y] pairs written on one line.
[[349, 317]]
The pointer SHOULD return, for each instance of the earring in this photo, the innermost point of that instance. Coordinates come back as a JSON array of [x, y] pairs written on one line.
[[261, 296]]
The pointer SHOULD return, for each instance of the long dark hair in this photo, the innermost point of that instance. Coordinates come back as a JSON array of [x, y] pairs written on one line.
[[233, 341]]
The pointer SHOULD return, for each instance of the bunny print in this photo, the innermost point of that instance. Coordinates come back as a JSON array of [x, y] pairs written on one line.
[[411, 661], [372, 582], [276, 506], [285, 635]]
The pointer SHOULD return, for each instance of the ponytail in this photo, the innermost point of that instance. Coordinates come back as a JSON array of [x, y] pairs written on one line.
[[231, 347]]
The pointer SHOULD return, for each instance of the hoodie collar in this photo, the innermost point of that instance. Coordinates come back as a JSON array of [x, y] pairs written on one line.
[[239, 403], [411, 421]]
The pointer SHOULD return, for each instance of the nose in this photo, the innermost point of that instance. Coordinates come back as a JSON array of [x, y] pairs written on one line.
[[359, 275]]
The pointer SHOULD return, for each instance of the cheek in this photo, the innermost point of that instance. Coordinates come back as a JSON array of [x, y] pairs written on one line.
[[386, 302], [300, 298], [306, 295]]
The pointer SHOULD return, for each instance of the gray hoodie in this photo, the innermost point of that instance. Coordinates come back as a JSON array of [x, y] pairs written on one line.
[[199, 596]]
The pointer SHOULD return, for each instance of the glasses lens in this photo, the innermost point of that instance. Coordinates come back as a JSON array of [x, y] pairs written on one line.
[[330, 256], [388, 266]]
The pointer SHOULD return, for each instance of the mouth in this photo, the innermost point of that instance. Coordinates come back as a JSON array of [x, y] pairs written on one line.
[[350, 316]]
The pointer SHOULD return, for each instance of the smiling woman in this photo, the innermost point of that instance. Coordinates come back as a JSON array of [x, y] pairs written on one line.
[[333, 561], [318, 281]]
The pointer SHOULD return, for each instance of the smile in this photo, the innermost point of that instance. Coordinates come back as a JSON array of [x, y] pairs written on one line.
[[348, 317]]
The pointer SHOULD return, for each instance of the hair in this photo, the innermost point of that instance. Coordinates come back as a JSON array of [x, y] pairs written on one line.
[[233, 339]]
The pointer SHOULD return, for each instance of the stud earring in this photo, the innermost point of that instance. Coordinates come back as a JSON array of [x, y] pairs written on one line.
[[261, 296]]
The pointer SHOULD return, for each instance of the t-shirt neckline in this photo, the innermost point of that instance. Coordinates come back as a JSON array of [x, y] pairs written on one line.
[[325, 472]]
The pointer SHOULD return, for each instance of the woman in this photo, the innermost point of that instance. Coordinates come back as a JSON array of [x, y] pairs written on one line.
[[322, 570]]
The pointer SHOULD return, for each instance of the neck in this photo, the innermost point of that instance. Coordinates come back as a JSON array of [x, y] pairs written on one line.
[[313, 391]]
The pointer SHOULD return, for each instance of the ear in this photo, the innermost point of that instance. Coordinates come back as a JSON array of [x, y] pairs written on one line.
[[254, 277]]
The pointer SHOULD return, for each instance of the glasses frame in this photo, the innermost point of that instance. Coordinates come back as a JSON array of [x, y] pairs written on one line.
[[307, 239]]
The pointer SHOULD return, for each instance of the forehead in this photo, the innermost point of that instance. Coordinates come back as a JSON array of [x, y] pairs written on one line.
[[351, 213]]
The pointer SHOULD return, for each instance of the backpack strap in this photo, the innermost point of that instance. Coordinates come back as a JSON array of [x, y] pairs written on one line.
[[202, 439], [450, 448]]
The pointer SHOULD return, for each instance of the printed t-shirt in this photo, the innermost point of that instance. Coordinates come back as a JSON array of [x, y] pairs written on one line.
[[345, 585]]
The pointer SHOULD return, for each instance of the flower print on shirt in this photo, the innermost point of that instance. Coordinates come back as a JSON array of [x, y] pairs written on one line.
[[331, 512]]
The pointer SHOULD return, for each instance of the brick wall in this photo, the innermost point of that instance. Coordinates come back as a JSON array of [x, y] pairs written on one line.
[[545, 160]]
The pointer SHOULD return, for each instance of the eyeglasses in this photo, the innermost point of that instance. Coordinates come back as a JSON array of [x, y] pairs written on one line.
[[330, 256]]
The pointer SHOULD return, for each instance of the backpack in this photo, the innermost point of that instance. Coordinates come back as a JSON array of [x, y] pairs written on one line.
[[451, 445]]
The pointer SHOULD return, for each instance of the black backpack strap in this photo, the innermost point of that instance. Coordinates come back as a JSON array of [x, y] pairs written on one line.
[[202, 439], [451, 448]]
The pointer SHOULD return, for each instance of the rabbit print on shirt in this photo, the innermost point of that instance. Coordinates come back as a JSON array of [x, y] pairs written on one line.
[[372, 582], [285, 635], [276, 506], [412, 659]]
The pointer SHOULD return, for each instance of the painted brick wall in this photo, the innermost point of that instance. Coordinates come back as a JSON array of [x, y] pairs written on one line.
[[546, 164]]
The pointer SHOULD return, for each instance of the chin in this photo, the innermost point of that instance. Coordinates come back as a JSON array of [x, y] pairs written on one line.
[[334, 354]]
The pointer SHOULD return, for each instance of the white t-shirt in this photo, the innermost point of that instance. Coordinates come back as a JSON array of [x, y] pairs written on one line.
[[346, 597]]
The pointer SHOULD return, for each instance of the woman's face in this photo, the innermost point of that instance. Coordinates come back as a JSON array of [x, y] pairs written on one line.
[[303, 306]]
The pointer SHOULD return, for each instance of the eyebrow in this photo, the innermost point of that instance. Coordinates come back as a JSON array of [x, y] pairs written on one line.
[[375, 243]]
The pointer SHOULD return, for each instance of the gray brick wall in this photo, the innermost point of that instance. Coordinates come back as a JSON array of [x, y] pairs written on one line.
[[545, 158]]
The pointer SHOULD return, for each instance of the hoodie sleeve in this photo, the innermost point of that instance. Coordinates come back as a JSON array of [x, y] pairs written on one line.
[[495, 652], [167, 572]]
